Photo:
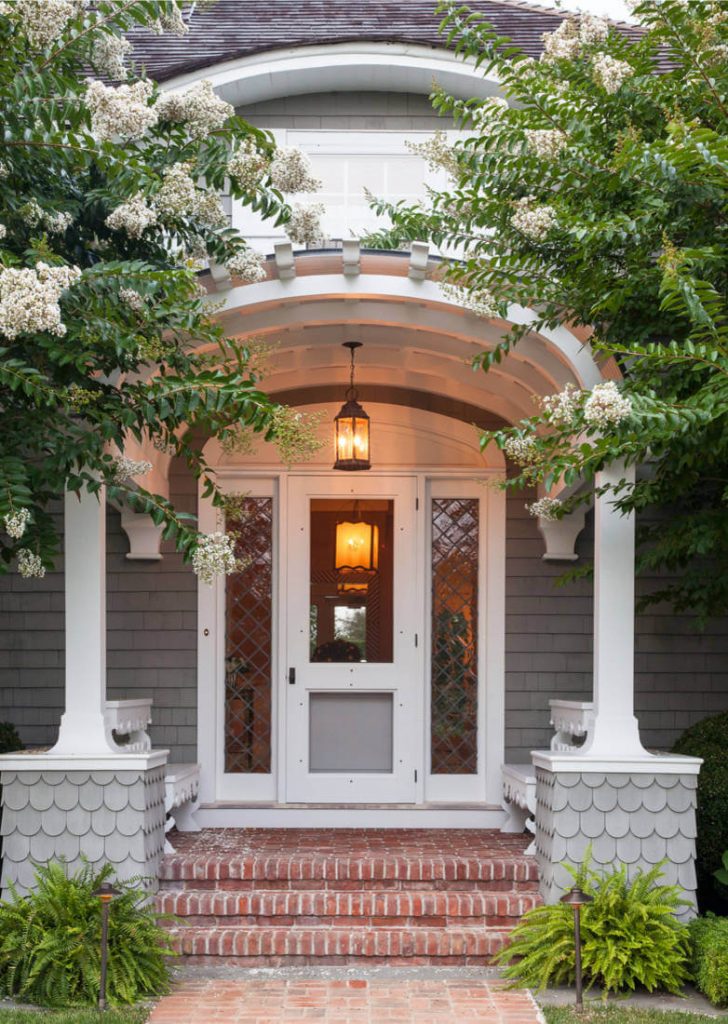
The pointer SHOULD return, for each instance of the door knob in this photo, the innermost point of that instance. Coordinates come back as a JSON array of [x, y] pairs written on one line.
[[291, 677]]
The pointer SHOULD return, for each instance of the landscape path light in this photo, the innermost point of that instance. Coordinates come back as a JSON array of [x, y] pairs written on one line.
[[105, 894], [577, 899]]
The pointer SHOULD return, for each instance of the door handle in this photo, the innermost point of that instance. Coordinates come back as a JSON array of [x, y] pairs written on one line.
[[291, 677]]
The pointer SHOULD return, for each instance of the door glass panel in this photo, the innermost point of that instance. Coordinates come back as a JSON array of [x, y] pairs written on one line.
[[248, 633], [350, 732], [351, 610], [454, 664]]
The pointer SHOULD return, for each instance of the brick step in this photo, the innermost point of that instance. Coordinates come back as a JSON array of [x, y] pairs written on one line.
[[333, 885], [362, 907], [334, 869], [311, 944]]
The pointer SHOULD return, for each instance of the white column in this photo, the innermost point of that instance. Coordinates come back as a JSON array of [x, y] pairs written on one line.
[[615, 731], [83, 727]]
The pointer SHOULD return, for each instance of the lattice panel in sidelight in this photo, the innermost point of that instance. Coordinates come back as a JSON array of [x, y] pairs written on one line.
[[454, 714], [248, 641]]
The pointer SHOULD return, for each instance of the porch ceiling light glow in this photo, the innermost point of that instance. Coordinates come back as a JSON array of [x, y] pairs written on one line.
[[352, 426], [357, 548]]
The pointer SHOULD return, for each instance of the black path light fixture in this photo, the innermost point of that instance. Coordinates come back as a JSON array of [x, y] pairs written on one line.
[[105, 894], [352, 426], [577, 899]]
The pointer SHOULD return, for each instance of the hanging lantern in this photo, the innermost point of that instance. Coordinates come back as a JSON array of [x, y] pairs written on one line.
[[352, 426], [357, 548]]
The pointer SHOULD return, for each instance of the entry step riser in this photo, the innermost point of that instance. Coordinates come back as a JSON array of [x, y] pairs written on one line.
[[503, 885]]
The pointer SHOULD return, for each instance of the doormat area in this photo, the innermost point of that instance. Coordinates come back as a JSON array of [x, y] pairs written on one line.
[[369, 1001]]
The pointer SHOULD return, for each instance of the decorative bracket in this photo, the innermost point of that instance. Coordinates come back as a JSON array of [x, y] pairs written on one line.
[[144, 536], [221, 276], [352, 257], [418, 261], [560, 536], [285, 261]]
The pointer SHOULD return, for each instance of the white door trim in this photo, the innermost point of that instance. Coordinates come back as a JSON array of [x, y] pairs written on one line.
[[211, 651]]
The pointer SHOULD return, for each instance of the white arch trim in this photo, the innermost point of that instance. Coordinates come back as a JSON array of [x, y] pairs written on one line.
[[340, 67]]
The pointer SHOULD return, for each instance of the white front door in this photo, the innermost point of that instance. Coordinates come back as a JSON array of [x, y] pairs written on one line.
[[354, 691]]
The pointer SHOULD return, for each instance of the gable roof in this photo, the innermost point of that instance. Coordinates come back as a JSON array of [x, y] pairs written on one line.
[[227, 29]]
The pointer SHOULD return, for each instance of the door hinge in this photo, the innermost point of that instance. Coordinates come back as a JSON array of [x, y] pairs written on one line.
[[417, 640], [415, 775], [292, 676], [417, 504]]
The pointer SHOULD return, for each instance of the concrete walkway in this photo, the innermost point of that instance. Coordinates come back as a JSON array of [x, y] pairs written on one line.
[[344, 1001]]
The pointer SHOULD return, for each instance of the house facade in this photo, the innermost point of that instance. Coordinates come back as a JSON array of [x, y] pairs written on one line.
[[387, 683]]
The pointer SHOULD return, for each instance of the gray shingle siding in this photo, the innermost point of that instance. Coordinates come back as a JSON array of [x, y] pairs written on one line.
[[682, 675], [363, 111]]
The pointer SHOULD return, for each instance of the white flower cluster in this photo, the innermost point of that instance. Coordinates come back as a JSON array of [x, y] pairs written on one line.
[[291, 171], [214, 556], [534, 222], [611, 73], [248, 265], [15, 523], [120, 112], [170, 20], [545, 508], [305, 223], [606, 406], [3, 232], [490, 110], [132, 298], [592, 29], [521, 450], [43, 21], [124, 468], [199, 108], [478, 300], [437, 153], [31, 213], [133, 217], [248, 166], [546, 143], [29, 299], [563, 43], [4, 169], [562, 407], [58, 223], [179, 196], [30, 564], [109, 55]]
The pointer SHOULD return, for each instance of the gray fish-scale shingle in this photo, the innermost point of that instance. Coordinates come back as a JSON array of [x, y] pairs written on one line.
[[28, 778], [54, 821], [582, 797], [78, 820], [41, 795], [629, 848], [18, 795], [66, 795], [617, 823], [642, 825], [592, 823], [91, 796], [643, 780], [655, 798], [667, 823], [605, 797], [629, 798], [78, 778], [654, 848], [604, 849], [116, 795], [679, 798]]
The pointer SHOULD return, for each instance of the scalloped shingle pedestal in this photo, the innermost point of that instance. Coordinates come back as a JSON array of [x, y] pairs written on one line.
[[636, 812], [106, 808]]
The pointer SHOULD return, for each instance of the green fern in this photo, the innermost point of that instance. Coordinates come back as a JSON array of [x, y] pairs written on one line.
[[50, 942], [630, 936]]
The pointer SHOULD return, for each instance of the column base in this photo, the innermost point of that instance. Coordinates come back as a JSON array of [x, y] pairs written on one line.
[[636, 812], [106, 809]]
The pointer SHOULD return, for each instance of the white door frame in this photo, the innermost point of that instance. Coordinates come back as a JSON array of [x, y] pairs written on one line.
[[265, 790]]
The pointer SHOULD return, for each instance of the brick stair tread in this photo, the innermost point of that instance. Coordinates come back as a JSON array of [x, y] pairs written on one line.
[[335, 867], [351, 904], [242, 941]]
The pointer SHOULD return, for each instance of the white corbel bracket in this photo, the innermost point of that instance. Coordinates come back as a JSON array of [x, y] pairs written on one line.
[[221, 276], [560, 536], [285, 261], [144, 536], [351, 257], [418, 261]]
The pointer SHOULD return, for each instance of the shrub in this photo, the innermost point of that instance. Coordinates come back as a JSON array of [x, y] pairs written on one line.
[[50, 942], [9, 739], [710, 957], [629, 936], [709, 739]]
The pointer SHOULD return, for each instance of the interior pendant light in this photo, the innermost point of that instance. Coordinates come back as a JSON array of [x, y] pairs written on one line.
[[352, 426], [357, 547]]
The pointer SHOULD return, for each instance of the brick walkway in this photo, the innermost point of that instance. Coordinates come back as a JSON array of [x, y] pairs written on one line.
[[420, 1001]]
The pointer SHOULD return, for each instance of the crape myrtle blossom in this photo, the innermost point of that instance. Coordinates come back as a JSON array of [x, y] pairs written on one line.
[[592, 29], [124, 468], [546, 143], [248, 265], [3, 232], [291, 171], [132, 298], [29, 299], [532, 220], [437, 153], [42, 21], [198, 108], [304, 225], [606, 406], [563, 43], [521, 450], [133, 217], [179, 196], [610, 73], [170, 20], [562, 407], [30, 564], [545, 508], [248, 166], [479, 301], [109, 55], [15, 523], [120, 112], [214, 556]]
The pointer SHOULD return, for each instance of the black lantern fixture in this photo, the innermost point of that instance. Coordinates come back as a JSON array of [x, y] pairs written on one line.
[[577, 899], [352, 426], [105, 894]]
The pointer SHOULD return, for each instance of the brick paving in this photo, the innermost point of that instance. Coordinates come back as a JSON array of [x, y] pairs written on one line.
[[367, 1001]]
